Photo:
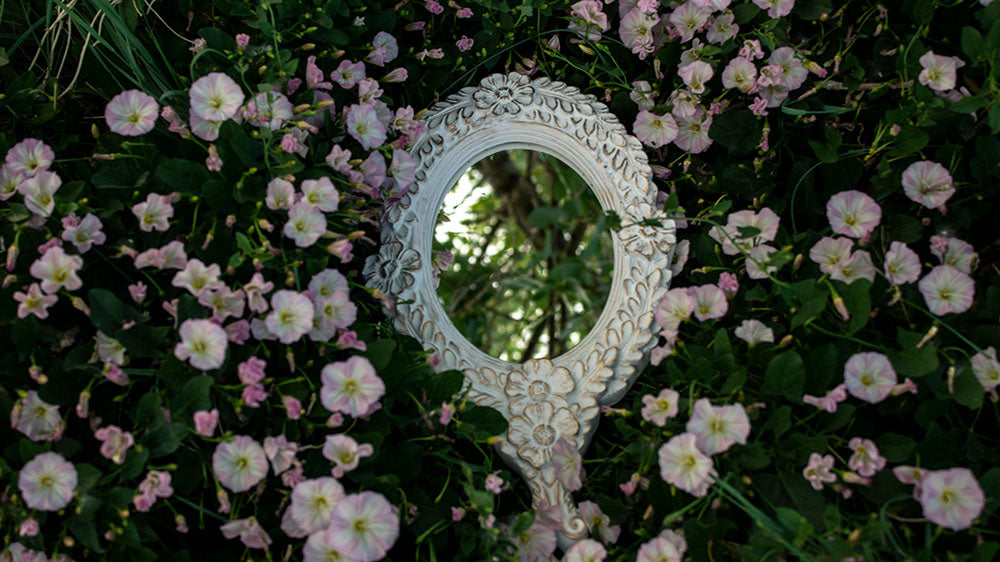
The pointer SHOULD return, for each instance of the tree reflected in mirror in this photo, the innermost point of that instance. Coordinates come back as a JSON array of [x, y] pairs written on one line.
[[523, 256]]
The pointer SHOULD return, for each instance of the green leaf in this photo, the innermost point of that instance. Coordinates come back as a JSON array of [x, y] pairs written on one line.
[[543, 217], [485, 419], [380, 353], [968, 391], [909, 361], [738, 131], [85, 531], [166, 439], [443, 386], [194, 395], [972, 43], [182, 175], [969, 104], [909, 140], [895, 448], [995, 118], [823, 152], [108, 313], [785, 376], [812, 9], [218, 194], [859, 304]]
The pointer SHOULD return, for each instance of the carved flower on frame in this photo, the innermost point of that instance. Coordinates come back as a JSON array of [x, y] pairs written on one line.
[[535, 431], [641, 235], [504, 94], [538, 381], [392, 269]]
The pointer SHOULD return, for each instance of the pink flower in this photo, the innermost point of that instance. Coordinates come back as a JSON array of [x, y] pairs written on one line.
[[658, 549], [34, 302], [598, 522], [655, 130], [348, 73], [131, 113], [692, 133], [197, 278], [242, 40], [818, 470], [722, 28], [776, 8], [351, 386], [902, 265], [291, 316], [866, 460], [986, 368], [321, 193], [951, 498], [39, 192], [447, 411], [675, 307], [114, 442], [57, 270], [345, 453], [205, 422], [203, 343], [213, 163], [364, 126], [47, 482], [695, 75], [464, 44], [312, 504], [251, 371], [269, 110], [29, 157], [857, 266], [729, 284], [403, 169], [830, 400], [215, 97], [683, 465], [954, 252], [493, 483], [154, 213], [281, 452], [939, 72], [10, 182], [305, 224], [83, 233], [585, 550], [709, 302], [910, 475], [365, 524], [793, 73], [853, 213], [239, 464], [636, 31], [869, 376], [754, 332], [689, 18], [537, 544], [28, 528], [280, 194], [588, 19], [249, 531], [658, 408], [717, 428], [928, 183], [255, 289], [568, 464], [946, 290], [741, 74], [293, 406], [736, 237]]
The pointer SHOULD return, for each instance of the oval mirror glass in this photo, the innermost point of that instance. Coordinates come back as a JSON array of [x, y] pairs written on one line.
[[522, 255]]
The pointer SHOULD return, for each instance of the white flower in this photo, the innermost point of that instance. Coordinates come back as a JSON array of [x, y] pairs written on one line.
[[215, 97], [47, 482], [196, 277], [203, 344], [239, 464], [291, 316], [321, 193], [312, 503], [685, 466], [305, 224], [754, 332], [57, 270], [716, 429], [39, 192]]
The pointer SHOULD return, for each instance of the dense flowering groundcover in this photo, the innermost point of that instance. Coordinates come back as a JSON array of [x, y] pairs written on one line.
[[194, 369]]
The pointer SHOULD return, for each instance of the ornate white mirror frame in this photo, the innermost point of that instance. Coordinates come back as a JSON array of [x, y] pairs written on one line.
[[543, 400]]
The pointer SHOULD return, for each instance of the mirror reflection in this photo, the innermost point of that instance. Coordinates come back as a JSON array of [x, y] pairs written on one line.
[[523, 256]]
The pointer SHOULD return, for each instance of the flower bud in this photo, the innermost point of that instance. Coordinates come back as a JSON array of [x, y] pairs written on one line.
[[786, 341], [927, 337], [838, 304]]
